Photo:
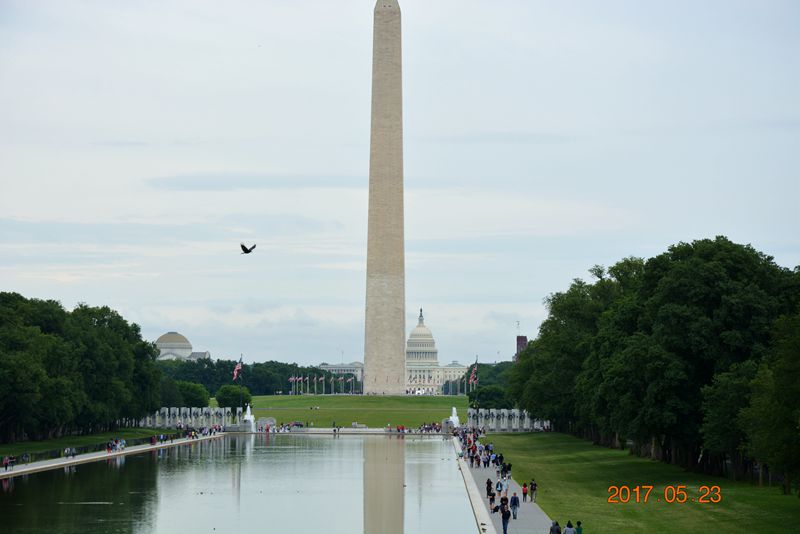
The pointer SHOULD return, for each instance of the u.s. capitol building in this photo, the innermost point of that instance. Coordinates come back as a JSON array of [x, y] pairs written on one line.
[[424, 375]]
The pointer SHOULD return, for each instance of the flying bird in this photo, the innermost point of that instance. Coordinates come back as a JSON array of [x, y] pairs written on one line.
[[246, 250]]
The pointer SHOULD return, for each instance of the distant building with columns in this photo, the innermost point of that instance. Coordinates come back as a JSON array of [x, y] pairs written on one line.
[[424, 375], [353, 368]]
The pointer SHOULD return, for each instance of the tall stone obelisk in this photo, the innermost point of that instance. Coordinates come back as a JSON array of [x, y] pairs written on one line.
[[384, 332]]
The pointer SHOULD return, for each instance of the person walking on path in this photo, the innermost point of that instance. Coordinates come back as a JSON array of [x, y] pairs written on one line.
[[506, 516], [524, 492], [533, 488], [568, 529], [579, 528], [488, 486], [5, 462], [556, 528], [514, 504]]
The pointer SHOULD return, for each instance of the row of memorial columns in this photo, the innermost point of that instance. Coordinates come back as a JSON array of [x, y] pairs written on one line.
[[504, 420], [191, 417]]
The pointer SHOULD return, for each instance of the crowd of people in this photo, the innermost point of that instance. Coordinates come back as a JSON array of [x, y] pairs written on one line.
[[569, 529], [115, 445], [430, 428], [9, 461], [481, 455]]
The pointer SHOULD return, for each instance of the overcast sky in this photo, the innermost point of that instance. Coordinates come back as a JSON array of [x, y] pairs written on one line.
[[140, 142]]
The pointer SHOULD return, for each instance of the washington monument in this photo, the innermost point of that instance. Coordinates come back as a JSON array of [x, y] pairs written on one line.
[[384, 332]]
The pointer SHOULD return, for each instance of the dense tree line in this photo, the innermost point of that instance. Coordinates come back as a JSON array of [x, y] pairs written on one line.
[[691, 357], [488, 374], [67, 372], [263, 378]]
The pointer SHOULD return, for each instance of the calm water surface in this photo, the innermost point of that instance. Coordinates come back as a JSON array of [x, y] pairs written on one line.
[[285, 483]]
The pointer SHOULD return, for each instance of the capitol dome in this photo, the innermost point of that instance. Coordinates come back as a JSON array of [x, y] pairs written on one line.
[[421, 331], [421, 347], [173, 346]]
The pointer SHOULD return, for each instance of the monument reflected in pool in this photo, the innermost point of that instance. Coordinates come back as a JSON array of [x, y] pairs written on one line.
[[384, 485]]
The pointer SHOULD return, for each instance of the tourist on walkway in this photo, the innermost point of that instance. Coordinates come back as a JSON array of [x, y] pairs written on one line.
[[514, 504], [499, 486], [533, 488], [524, 492], [555, 528], [5, 462], [579, 528], [506, 515], [568, 529], [488, 486]]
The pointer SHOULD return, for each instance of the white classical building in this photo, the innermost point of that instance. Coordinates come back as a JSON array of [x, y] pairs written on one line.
[[424, 375], [174, 346], [352, 368]]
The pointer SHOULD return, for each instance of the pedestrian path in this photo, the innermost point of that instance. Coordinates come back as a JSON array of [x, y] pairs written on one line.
[[57, 463], [530, 518]]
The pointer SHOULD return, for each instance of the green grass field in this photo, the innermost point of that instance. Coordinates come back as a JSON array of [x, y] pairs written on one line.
[[371, 411], [16, 449], [573, 477]]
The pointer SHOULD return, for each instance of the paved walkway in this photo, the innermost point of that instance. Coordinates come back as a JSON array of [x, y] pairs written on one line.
[[530, 518], [57, 463]]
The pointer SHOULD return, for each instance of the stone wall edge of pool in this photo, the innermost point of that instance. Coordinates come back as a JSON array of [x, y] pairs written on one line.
[[483, 522]]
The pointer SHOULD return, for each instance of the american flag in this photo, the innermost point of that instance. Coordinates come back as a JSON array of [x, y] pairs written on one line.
[[341, 379], [291, 379], [473, 377], [322, 379], [306, 378], [237, 369], [350, 379]]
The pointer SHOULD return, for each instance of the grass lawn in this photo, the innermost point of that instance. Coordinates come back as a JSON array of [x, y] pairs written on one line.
[[16, 449], [375, 411], [573, 477]]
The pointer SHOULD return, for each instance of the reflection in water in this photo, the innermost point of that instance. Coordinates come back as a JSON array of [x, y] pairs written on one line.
[[85, 498], [384, 484], [248, 483]]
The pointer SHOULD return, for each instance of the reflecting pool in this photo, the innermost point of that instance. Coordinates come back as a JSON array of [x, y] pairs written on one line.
[[252, 483]]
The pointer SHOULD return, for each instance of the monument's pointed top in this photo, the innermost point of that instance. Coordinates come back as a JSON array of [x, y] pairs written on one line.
[[421, 319], [387, 4]]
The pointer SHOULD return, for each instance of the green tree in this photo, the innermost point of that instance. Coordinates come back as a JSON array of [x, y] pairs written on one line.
[[772, 420], [723, 401], [640, 354], [170, 394], [231, 396], [65, 372], [489, 397], [194, 395]]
